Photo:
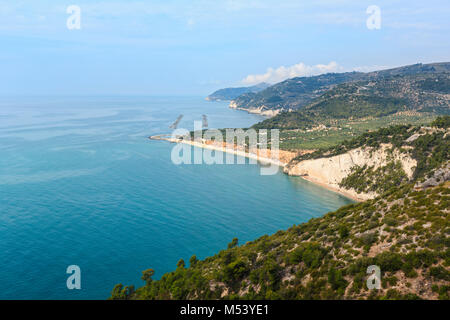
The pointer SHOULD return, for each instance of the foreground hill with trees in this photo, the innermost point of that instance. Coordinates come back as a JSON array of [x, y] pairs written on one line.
[[405, 231]]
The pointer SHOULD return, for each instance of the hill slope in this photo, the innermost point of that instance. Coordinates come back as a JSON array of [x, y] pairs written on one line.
[[292, 94], [414, 87]]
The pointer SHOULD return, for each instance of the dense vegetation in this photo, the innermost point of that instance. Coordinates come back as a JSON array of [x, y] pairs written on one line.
[[349, 106], [367, 179], [442, 122], [404, 231]]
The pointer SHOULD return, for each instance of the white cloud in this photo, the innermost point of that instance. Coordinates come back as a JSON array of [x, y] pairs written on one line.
[[298, 70], [302, 70]]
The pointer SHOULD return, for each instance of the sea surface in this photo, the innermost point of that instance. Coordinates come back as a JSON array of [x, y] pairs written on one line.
[[81, 184]]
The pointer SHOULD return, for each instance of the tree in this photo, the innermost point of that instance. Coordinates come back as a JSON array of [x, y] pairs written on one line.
[[122, 293], [233, 243], [343, 231], [180, 263], [147, 275], [442, 122], [193, 261], [336, 279]]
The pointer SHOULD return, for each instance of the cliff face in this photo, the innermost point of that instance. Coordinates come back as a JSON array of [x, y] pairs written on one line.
[[256, 110], [331, 171], [440, 175]]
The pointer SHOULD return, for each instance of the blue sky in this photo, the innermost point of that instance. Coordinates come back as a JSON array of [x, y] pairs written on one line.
[[196, 46]]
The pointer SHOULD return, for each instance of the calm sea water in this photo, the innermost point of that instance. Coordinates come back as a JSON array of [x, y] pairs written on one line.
[[81, 184]]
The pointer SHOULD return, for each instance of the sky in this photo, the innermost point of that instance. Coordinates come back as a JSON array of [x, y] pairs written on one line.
[[193, 47]]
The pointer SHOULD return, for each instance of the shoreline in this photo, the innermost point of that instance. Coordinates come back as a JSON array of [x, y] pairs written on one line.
[[222, 149], [331, 188], [254, 157]]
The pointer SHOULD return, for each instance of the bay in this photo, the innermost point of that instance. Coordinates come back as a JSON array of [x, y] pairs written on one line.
[[81, 184]]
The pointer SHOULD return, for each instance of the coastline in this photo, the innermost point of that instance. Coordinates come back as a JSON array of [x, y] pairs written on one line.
[[260, 111], [256, 157], [224, 149], [332, 188]]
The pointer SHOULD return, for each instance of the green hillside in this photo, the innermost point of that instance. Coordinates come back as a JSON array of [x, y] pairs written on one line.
[[425, 93], [416, 87], [294, 93]]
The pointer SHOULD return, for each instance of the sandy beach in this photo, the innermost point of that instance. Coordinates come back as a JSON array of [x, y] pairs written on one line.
[[227, 149], [332, 188]]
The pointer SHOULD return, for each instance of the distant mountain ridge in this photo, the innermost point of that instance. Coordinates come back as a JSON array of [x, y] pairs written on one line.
[[293, 93], [298, 93], [233, 93]]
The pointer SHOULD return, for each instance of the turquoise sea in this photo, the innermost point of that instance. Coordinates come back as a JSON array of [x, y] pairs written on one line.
[[81, 184]]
